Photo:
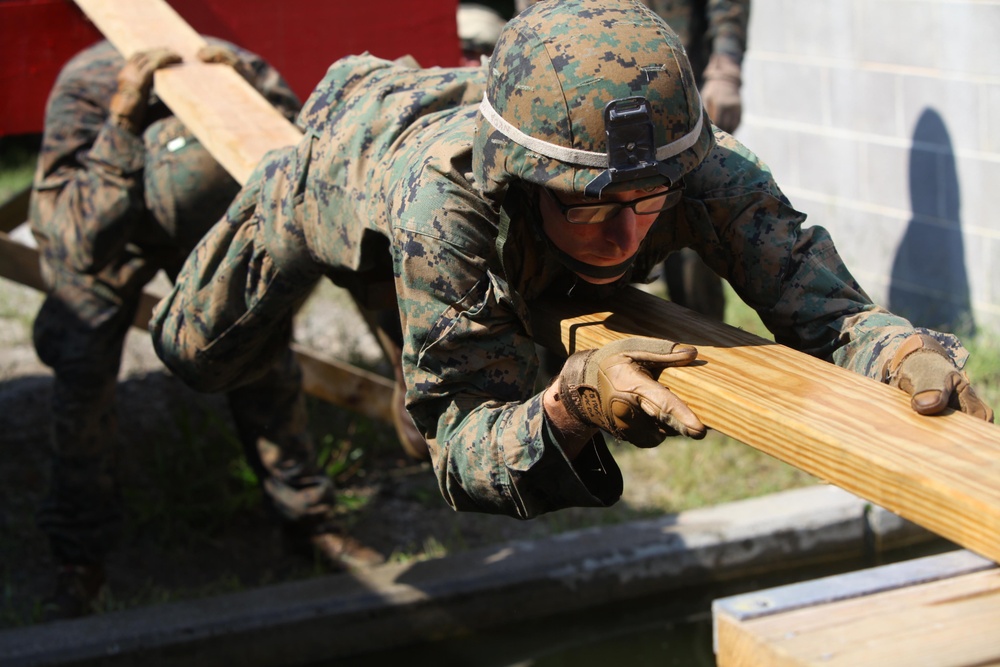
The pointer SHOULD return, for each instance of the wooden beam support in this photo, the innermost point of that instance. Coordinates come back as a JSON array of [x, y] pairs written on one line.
[[14, 210], [941, 472], [938, 610], [330, 380]]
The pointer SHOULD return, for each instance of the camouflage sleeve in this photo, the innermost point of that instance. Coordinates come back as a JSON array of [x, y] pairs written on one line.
[[88, 187], [230, 311], [470, 369], [792, 275], [727, 26]]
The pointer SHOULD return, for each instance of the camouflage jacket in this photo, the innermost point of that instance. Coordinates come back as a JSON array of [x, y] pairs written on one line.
[[381, 189], [88, 200]]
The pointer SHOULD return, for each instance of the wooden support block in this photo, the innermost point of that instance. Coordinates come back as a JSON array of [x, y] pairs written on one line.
[[940, 472], [942, 611]]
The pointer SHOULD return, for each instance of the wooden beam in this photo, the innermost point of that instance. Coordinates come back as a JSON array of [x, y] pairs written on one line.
[[230, 118], [14, 210], [940, 610], [333, 381], [19, 263], [941, 472]]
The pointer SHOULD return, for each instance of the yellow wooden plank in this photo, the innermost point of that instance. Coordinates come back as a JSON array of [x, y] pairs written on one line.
[[941, 472], [230, 118], [949, 623], [138, 25]]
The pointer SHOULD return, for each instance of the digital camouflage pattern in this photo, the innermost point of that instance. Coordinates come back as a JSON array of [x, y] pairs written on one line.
[[552, 81], [703, 26], [386, 186], [110, 209]]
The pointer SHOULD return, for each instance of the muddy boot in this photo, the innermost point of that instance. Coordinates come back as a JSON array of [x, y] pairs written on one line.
[[78, 588], [333, 546]]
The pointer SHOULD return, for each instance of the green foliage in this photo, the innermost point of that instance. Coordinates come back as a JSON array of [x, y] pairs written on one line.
[[17, 164]]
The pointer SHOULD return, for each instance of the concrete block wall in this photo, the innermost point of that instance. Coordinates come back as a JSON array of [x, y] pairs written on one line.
[[881, 120]]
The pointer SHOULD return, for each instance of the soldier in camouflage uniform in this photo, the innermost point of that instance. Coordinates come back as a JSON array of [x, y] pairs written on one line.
[[714, 34], [471, 207], [123, 190]]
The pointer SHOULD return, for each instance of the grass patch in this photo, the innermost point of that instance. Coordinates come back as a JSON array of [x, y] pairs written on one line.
[[17, 163]]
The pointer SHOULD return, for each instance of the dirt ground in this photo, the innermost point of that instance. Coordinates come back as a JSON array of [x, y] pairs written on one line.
[[175, 549]]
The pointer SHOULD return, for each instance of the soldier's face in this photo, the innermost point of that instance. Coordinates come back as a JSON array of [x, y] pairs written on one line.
[[600, 244]]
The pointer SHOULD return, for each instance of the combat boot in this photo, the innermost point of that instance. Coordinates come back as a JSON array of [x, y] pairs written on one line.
[[78, 588]]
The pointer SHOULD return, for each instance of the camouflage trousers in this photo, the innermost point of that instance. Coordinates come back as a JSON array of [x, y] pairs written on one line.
[[80, 332]]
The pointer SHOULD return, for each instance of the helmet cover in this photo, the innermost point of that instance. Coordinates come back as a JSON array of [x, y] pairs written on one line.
[[558, 69]]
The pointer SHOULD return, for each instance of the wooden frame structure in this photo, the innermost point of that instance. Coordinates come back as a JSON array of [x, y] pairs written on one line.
[[941, 472]]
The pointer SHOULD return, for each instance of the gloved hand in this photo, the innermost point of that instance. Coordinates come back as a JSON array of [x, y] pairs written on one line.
[[217, 53], [615, 388], [721, 92], [922, 368], [135, 80]]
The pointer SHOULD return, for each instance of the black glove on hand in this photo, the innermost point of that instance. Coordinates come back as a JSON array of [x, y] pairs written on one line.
[[615, 389], [135, 80], [922, 368]]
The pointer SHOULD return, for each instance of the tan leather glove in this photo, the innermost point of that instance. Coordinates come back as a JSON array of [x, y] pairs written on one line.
[[615, 388], [216, 53], [135, 80], [922, 368], [721, 92]]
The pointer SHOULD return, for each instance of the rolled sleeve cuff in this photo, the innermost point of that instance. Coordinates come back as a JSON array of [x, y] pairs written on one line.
[[551, 481]]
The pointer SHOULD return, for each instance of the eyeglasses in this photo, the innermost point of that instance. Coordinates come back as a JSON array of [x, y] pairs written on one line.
[[592, 214]]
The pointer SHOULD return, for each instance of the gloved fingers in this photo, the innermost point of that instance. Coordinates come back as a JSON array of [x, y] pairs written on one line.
[[965, 399], [657, 360], [934, 383], [139, 68], [667, 408], [216, 53], [645, 351], [642, 410], [222, 55]]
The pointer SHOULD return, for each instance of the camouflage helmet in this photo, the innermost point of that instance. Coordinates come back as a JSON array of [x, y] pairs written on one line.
[[571, 78], [186, 189]]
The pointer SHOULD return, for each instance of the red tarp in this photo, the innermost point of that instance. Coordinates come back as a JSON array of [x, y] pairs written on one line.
[[299, 37]]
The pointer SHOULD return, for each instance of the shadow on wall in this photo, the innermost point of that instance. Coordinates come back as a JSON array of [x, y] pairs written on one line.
[[929, 285]]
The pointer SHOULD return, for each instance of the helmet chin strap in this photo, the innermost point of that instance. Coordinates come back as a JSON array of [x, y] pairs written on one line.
[[589, 270]]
